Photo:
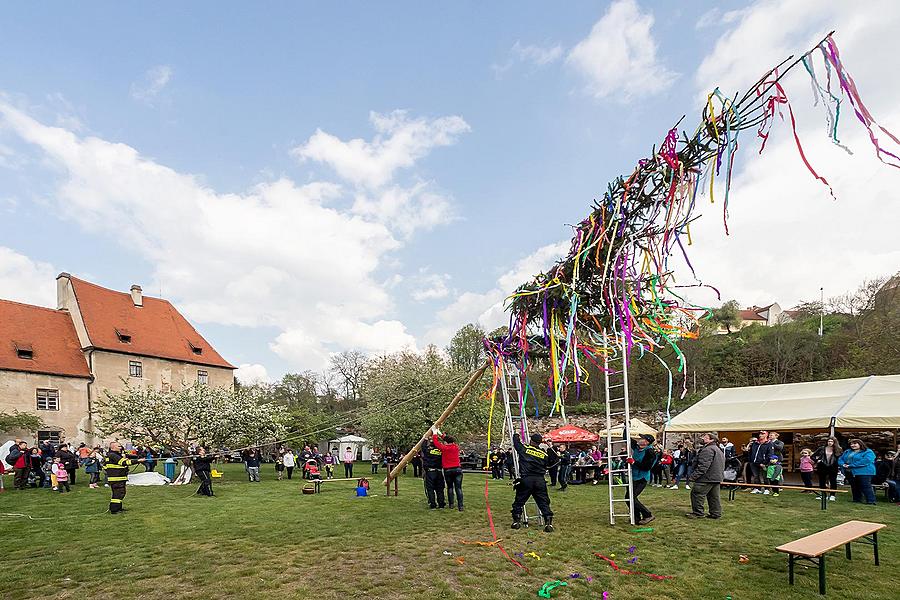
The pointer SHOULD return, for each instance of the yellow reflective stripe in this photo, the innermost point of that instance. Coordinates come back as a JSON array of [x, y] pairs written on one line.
[[116, 500], [117, 478]]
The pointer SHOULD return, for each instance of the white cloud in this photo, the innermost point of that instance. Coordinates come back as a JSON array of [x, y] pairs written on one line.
[[405, 209], [716, 16], [788, 237], [619, 55], [399, 142], [25, 280], [537, 56], [249, 374], [277, 255], [430, 286], [151, 85], [486, 308]]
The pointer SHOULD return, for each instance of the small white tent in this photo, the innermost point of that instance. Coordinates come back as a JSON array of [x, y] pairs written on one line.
[[359, 446]]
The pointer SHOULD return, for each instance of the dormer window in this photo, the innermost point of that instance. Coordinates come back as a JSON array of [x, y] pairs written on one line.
[[124, 336], [195, 348], [24, 350]]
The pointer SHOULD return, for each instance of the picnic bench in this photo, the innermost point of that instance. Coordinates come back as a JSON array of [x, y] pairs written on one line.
[[813, 548], [733, 487]]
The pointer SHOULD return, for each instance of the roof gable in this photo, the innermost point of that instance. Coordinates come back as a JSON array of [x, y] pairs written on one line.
[[45, 335], [156, 328]]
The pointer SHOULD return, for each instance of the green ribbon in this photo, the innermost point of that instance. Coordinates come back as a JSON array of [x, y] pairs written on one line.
[[548, 587]]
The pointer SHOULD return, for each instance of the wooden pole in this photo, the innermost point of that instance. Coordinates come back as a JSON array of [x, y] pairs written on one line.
[[447, 411]]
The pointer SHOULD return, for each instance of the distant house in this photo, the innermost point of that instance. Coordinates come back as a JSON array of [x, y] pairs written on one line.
[[56, 363], [767, 316]]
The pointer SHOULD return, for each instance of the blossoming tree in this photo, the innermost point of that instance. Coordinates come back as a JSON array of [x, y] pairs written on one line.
[[200, 414]]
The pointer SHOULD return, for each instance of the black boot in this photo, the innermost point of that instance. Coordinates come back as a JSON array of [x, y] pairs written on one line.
[[548, 524], [517, 522]]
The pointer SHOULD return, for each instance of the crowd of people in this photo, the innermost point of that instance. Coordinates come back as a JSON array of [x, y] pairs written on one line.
[[56, 466]]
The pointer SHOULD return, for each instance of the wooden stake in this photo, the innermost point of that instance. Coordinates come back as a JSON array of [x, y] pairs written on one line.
[[427, 435]]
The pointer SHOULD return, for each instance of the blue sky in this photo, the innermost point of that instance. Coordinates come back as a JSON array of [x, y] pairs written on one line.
[[250, 162]]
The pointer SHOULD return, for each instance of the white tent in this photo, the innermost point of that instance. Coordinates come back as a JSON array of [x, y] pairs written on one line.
[[858, 403], [359, 445]]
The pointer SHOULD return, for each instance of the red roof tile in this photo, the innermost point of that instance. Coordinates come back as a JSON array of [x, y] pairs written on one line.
[[157, 329], [48, 333], [751, 315]]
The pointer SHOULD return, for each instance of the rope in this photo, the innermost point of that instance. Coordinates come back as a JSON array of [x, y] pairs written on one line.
[[296, 436]]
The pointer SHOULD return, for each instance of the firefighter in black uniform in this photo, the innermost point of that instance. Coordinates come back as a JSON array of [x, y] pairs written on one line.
[[433, 475], [533, 463], [116, 468]]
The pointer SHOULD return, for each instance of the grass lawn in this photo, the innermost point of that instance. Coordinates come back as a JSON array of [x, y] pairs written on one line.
[[267, 540]]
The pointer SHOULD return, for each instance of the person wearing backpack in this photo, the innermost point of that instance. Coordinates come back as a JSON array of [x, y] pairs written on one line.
[[21, 464]]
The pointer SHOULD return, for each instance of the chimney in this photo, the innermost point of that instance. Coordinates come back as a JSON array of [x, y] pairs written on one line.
[[62, 291], [137, 295]]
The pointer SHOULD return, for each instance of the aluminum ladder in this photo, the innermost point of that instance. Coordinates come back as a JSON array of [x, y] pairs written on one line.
[[615, 371], [516, 421]]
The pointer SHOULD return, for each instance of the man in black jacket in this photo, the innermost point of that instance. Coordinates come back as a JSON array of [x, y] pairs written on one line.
[[533, 463], [709, 472], [760, 450], [201, 464], [433, 476]]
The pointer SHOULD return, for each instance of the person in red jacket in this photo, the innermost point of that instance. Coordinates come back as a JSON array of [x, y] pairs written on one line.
[[21, 464], [450, 462]]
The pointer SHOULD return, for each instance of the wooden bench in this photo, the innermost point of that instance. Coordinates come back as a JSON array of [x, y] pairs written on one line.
[[813, 548], [733, 487]]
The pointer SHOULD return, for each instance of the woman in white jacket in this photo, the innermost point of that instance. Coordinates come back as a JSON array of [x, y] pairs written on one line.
[[289, 461]]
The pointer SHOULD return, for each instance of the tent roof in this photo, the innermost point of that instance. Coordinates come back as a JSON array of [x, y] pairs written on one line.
[[571, 433], [351, 439], [861, 402], [637, 427]]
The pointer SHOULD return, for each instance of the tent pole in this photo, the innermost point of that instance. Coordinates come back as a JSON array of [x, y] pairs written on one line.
[[831, 430], [450, 407]]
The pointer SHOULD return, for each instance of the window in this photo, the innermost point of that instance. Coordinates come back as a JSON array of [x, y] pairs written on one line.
[[124, 336], [195, 348], [135, 368], [48, 399], [46, 435], [24, 350], [202, 377]]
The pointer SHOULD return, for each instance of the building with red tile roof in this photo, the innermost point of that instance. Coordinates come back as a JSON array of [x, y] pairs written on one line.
[[56, 363]]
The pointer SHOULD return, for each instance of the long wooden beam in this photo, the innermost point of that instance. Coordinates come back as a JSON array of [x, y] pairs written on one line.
[[440, 421]]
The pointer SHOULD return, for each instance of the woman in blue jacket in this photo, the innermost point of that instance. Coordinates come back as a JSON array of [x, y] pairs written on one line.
[[859, 461]]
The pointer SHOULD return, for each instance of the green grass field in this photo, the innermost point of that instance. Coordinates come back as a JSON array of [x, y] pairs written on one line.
[[267, 540]]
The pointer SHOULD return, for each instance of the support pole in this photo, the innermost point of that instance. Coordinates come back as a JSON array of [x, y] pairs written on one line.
[[440, 421]]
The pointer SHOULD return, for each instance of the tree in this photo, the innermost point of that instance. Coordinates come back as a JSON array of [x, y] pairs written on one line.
[[199, 414], [728, 316], [406, 392], [349, 367], [466, 348], [19, 420]]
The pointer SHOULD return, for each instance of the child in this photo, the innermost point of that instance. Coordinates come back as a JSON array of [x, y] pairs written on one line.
[[62, 476], [807, 466], [330, 460], [92, 468], [49, 477], [774, 475]]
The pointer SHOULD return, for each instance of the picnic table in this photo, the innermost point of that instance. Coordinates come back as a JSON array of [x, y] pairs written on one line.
[[733, 487], [813, 548]]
